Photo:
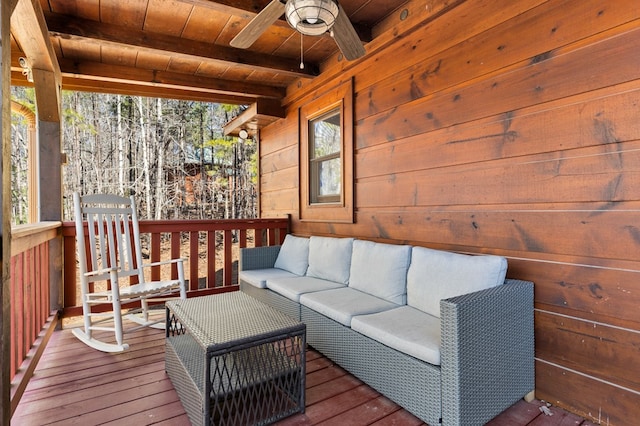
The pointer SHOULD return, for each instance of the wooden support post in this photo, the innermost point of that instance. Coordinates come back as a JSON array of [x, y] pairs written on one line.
[[29, 28], [6, 8]]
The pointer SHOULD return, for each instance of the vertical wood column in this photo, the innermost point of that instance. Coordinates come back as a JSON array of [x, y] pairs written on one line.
[[29, 28], [49, 167], [6, 8]]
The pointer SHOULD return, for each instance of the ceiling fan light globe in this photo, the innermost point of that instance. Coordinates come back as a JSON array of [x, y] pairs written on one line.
[[311, 17]]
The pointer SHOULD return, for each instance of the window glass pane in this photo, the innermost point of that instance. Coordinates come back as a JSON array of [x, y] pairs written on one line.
[[330, 177], [325, 133]]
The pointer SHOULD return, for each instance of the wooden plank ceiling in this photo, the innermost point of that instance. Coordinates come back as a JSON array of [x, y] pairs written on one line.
[[180, 48]]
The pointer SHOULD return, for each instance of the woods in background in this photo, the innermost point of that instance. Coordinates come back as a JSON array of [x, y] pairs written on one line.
[[170, 154]]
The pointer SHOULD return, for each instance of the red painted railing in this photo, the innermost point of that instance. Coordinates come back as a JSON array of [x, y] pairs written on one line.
[[32, 319], [209, 246]]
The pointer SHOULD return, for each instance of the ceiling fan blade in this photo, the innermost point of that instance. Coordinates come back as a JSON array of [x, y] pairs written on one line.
[[259, 24], [346, 37]]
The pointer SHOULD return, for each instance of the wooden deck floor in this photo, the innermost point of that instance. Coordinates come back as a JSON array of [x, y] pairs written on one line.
[[74, 384]]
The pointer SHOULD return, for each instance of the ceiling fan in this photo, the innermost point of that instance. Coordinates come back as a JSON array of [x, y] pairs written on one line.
[[309, 17]]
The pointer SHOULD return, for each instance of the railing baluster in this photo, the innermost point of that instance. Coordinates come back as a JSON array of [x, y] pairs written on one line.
[[155, 255], [175, 252], [228, 262], [257, 237], [69, 274], [211, 259], [194, 258], [242, 243]]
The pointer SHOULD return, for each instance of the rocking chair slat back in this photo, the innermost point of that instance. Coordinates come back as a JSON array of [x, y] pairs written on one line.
[[114, 258]]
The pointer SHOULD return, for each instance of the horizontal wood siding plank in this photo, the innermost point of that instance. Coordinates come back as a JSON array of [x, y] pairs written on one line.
[[437, 36], [608, 353], [286, 131], [603, 403], [560, 74], [590, 234], [594, 174], [279, 160], [282, 179], [499, 47], [601, 117]]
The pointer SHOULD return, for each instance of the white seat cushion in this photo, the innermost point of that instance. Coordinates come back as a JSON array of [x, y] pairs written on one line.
[[330, 258], [435, 275], [342, 304], [406, 329], [381, 270], [293, 255], [293, 288], [258, 277]]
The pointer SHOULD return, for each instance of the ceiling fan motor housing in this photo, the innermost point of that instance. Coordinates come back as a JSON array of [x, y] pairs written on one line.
[[311, 17]]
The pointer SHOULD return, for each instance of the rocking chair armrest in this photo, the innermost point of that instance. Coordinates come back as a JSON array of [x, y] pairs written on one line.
[[163, 262], [100, 272]]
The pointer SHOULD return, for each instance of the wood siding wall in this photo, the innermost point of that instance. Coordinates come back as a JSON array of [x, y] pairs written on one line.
[[510, 128]]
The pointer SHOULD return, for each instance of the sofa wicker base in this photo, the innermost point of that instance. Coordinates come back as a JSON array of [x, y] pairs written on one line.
[[411, 383], [487, 353]]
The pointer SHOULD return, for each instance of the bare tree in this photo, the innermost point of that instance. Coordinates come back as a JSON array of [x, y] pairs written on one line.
[[170, 154]]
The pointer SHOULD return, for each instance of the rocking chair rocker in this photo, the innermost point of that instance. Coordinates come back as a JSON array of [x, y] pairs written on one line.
[[111, 260]]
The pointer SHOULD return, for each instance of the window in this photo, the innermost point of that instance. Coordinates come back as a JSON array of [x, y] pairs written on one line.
[[325, 165], [326, 157]]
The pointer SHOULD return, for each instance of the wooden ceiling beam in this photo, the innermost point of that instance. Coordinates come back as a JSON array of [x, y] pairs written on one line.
[[134, 89], [88, 31], [170, 80]]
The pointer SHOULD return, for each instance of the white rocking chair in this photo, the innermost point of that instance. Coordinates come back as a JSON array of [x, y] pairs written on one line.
[[112, 258]]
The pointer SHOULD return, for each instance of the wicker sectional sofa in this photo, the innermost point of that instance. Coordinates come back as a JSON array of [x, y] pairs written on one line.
[[442, 334]]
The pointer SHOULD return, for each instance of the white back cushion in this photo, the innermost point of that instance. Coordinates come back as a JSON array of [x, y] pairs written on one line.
[[293, 255], [330, 258], [435, 275], [381, 270]]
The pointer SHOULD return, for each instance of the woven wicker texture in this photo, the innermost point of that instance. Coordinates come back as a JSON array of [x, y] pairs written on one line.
[[411, 383], [275, 300], [487, 357], [255, 376], [258, 257], [186, 372], [487, 352], [224, 320], [263, 258]]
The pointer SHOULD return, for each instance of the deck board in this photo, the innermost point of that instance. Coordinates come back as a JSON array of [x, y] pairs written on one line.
[[74, 384]]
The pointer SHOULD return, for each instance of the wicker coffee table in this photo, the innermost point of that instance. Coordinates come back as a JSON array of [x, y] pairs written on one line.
[[234, 360]]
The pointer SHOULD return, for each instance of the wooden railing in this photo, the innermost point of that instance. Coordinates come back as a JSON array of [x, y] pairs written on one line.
[[209, 246], [32, 317]]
